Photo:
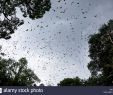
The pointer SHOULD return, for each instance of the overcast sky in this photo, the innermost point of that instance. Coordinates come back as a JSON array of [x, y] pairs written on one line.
[[56, 46]]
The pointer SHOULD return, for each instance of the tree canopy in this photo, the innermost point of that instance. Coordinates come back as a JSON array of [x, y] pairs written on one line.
[[9, 21], [71, 82], [101, 54], [14, 73], [11, 72]]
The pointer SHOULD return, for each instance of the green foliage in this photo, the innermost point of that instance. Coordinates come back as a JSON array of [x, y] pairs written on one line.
[[71, 82], [14, 73], [33, 9], [101, 53], [101, 64], [93, 81]]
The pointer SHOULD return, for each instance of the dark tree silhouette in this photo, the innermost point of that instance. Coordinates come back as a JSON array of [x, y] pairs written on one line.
[[14, 73], [101, 54], [9, 21], [71, 82]]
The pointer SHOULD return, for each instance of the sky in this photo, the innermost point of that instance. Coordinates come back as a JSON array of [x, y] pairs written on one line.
[[56, 45]]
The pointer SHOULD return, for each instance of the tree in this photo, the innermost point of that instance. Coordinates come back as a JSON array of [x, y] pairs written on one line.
[[101, 53], [14, 73], [9, 21], [71, 82]]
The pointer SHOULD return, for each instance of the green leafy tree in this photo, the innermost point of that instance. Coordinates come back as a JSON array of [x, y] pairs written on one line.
[[101, 54], [93, 81], [14, 73], [71, 82], [9, 22]]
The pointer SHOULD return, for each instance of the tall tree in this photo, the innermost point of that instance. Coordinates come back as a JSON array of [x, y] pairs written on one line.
[[9, 21], [101, 53], [14, 73]]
